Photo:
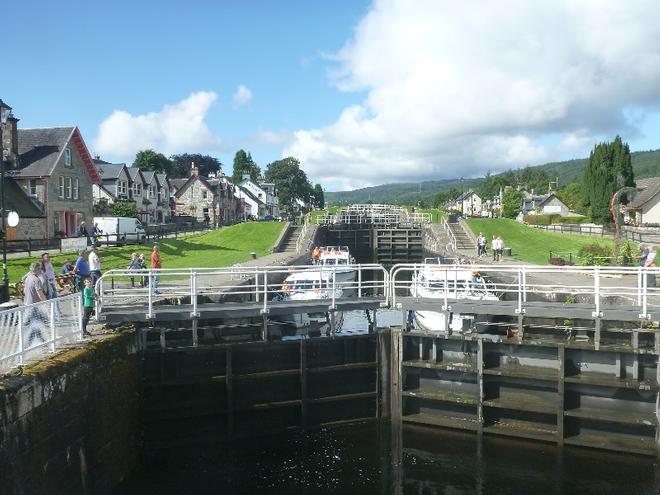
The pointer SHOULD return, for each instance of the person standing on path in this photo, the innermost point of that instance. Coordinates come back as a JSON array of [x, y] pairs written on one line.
[[643, 253], [156, 264], [88, 304], [49, 272], [33, 290], [94, 264], [650, 263], [81, 269]]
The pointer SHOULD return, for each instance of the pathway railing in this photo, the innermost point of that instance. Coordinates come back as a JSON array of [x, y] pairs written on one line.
[[451, 246], [261, 285], [28, 332], [596, 286]]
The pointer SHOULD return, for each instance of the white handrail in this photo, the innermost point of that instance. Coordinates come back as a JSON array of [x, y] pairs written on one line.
[[450, 233]]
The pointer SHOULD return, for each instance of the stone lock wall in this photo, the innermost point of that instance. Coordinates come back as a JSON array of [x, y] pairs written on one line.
[[70, 424]]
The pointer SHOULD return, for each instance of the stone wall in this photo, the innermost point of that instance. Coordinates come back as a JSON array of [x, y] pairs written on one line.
[[70, 424]]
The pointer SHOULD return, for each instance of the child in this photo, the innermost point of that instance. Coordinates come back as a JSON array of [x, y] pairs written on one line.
[[134, 266], [88, 304]]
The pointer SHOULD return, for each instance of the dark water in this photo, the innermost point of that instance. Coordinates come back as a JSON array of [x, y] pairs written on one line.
[[360, 459]]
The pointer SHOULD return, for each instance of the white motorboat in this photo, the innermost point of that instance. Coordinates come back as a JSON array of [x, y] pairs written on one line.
[[332, 276], [440, 278]]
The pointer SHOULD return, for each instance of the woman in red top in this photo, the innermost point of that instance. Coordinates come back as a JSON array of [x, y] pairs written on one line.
[[156, 264]]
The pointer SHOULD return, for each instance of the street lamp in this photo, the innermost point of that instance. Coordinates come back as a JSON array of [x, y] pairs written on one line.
[[5, 111]]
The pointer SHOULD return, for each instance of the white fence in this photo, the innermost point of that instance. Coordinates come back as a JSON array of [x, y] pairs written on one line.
[[263, 285], [593, 285], [28, 332]]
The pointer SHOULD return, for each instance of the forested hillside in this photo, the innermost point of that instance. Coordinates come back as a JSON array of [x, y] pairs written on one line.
[[645, 164]]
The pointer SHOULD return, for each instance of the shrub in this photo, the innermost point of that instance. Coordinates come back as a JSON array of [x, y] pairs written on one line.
[[594, 254], [627, 254], [571, 220]]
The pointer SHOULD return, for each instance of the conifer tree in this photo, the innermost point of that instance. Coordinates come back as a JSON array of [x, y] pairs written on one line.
[[609, 169]]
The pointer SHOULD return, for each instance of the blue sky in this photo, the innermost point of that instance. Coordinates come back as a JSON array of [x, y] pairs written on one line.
[[361, 92]]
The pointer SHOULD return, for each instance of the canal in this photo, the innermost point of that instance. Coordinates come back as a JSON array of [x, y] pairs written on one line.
[[359, 459]]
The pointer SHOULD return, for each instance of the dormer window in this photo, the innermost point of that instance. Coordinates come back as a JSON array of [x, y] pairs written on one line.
[[67, 157]]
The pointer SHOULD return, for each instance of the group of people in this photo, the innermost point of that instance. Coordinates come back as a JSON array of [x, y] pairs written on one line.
[[92, 236], [497, 246], [40, 283]]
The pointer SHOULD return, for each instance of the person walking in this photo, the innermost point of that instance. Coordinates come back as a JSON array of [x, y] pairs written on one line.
[[156, 264], [33, 290], [81, 269], [650, 263], [500, 248], [88, 304], [493, 247], [49, 272], [94, 264], [134, 266]]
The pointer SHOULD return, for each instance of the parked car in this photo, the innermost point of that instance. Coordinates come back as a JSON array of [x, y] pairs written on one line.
[[268, 218]]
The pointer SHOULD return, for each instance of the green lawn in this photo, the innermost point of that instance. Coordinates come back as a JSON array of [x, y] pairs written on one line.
[[219, 248], [529, 244]]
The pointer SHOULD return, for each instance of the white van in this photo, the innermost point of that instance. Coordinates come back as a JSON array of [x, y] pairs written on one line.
[[119, 230]]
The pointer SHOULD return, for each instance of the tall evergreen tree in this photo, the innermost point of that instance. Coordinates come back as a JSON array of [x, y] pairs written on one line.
[[319, 196], [244, 164], [609, 169]]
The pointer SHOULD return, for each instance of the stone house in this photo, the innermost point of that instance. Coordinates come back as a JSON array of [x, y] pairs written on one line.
[[32, 217], [469, 204], [52, 166], [115, 182]]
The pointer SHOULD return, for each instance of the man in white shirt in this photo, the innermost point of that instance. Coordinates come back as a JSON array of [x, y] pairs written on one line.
[[94, 264]]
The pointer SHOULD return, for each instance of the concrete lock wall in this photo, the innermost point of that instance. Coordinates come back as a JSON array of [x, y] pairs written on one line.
[[70, 424]]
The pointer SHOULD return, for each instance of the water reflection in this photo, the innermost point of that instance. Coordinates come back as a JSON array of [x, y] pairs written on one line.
[[360, 459]]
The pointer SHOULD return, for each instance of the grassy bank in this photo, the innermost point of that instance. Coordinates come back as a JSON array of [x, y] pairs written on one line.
[[529, 244], [222, 247]]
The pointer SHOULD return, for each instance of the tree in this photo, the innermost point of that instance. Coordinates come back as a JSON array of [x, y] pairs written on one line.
[[244, 164], [150, 160], [441, 197], [206, 164], [571, 195], [511, 203], [290, 181], [124, 209], [608, 170], [319, 197]]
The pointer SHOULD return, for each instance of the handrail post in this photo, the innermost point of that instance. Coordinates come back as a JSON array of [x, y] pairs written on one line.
[[597, 291], [520, 275], [193, 291], [150, 297], [21, 341], [265, 291], [256, 284], [334, 286], [79, 304], [52, 325], [359, 281], [639, 285], [524, 283]]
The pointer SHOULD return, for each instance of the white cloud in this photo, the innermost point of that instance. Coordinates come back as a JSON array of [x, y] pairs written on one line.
[[458, 88], [242, 96], [178, 127]]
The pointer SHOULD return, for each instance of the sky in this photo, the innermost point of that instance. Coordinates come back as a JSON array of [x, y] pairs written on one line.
[[361, 93]]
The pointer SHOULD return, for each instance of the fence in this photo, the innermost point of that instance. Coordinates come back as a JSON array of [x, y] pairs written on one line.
[[153, 234], [263, 285], [30, 331]]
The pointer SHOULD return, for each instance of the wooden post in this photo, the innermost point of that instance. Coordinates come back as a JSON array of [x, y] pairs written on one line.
[[560, 394], [303, 382]]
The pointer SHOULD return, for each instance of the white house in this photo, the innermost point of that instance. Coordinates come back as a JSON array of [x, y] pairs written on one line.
[[261, 197], [470, 204], [646, 204]]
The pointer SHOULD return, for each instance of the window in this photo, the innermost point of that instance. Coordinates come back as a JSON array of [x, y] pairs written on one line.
[[60, 193], [137, 189], [205, 194], [121, 188], [68, 188], [67, 157], [76, 189], [33, 187]]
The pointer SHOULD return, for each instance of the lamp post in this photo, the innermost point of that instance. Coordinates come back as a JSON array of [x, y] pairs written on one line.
[[4, 112]]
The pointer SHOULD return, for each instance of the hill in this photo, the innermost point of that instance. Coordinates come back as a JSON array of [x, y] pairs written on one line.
[[645, 164]]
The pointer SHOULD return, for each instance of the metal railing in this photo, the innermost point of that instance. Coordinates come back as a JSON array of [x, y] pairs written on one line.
[[30, 331], [595, 285], [451, 246], [263, 285], [374, 218], [300, 242]]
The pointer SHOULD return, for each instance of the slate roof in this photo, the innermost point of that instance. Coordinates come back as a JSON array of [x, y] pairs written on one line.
[[18, 200], [135, 174], [162, 179], [110, 171], [466, 195], [647, 189], [178, 183], [148, 176], [40, 149]]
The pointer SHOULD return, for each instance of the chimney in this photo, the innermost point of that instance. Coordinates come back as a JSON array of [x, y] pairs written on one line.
[[194, 171], [10, 141]]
